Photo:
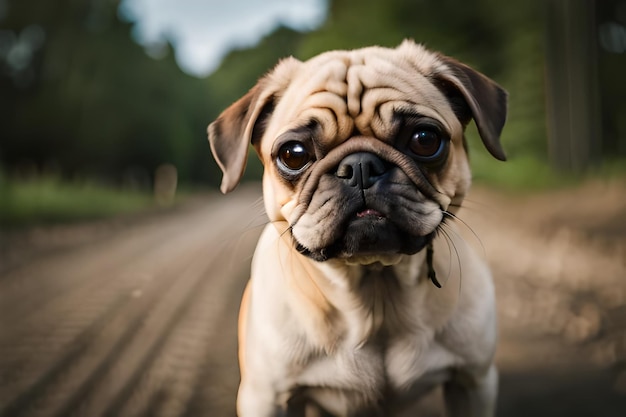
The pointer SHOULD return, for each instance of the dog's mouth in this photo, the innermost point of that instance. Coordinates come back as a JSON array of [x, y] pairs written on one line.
[[370, 213], [365, 204], [369, 233]]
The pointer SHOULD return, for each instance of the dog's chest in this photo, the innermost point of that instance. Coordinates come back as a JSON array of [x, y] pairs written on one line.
[[376, 374], [388, 345]]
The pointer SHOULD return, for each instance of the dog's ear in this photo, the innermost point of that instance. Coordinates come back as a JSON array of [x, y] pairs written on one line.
[[486, 100], [232, 132], [243, 123]]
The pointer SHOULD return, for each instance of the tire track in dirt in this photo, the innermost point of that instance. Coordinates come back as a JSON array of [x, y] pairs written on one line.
[[132, 354], [142, 323]]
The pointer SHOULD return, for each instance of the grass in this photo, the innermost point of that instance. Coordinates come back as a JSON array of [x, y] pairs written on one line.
[[527, 173], [522, 173], [50, 200]]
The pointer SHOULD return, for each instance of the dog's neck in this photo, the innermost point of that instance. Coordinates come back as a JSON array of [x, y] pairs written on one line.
[[351, 302], [353, 273], [362, 298]]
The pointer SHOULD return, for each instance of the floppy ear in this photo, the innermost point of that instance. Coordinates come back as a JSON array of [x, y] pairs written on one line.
[[487, 101], [233, 131], [243, 123]]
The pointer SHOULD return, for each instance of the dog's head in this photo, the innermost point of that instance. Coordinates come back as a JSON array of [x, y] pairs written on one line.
[[363, 150]]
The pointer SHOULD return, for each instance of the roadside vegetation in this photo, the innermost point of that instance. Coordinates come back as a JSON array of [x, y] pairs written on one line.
[[79, 94], [46, 200]]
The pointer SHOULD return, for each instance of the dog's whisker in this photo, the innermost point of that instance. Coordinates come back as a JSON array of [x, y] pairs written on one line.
[[447, 240], [233, 240], [257, 203], [258, 209], [474, 206], [471, 201], [252, 223], [458, 256], [288, 229], [454, 217], [450, 244]]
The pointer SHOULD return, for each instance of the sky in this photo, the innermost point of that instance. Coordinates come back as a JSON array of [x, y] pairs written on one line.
[[203, 31]]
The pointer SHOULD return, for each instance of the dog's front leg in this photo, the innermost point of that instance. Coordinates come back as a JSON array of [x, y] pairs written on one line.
[[257, 400], [472, 395]]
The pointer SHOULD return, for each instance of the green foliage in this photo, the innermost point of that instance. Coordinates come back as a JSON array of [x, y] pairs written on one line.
[[50, 200], [92, 103]]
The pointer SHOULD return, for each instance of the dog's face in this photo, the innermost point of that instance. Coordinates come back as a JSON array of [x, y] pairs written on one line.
[[363, 150]]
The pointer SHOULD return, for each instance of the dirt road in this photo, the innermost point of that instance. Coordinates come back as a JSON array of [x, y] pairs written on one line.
[[137, 317]]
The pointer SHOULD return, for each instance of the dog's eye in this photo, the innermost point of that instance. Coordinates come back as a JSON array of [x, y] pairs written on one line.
[[427, 143], [294, 156]]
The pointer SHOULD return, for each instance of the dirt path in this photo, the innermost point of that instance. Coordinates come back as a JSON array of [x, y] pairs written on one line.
[[138, 323], [559, 264], [138, 317]]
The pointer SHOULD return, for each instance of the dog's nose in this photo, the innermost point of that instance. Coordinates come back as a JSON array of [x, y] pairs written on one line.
[[361, 169]]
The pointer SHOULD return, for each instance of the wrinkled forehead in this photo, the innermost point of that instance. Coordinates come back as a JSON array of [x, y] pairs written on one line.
[[361, 91]]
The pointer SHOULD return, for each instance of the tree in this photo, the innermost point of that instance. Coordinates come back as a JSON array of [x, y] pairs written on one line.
[[91, 102]]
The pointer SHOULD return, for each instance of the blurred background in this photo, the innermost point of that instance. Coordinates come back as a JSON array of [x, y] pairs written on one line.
[[104, 106], [105, 92]]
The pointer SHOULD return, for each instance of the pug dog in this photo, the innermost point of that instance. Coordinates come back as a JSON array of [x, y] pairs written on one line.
[[362, 293]]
